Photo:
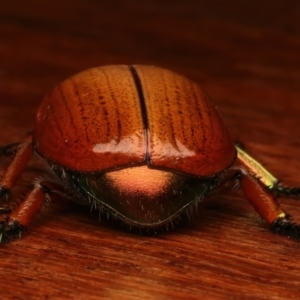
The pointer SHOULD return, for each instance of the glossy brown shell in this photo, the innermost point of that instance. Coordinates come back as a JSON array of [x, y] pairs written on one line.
[[118, 116]]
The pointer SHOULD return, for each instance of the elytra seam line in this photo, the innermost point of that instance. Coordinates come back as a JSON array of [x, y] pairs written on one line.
[[139, 89]]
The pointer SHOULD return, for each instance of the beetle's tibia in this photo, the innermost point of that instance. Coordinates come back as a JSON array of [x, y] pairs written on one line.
[[261, 198], [17, 165], [284, 226], [10, 230], [284, 191], [21, 216]]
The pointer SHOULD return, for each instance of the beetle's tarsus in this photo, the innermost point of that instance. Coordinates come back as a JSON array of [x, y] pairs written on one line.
[[2, 226], [286, 227], [10, 149], [4, 191], [284, 191], [9, 231]]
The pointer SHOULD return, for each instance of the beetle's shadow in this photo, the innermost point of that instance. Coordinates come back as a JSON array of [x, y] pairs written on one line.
[[214, 209], [216, 206], [84, 215], [227, 207]]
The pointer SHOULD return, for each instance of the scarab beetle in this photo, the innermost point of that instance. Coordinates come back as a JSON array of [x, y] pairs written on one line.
[[141, 143]]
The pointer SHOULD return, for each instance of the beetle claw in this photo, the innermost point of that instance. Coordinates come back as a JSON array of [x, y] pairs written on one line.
[[285, 191], [5, 210], [9, 231], [9, 150], [283, 226], [4, 191], [2, 234]]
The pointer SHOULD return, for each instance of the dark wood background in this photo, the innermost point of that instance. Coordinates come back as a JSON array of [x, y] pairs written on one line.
[[246, 55]]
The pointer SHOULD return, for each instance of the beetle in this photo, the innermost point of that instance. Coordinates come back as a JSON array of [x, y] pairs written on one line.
[[141, 143]]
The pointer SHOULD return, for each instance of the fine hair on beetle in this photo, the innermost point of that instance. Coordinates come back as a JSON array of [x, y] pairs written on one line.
[[76, 193], [142, 145]]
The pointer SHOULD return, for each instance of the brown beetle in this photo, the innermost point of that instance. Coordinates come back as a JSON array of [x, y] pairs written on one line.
[[143, 144]]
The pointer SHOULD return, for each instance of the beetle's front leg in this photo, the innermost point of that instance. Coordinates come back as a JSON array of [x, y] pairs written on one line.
[[22, 215], [17, 165]]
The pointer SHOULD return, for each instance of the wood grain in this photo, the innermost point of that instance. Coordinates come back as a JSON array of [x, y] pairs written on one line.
[[245, 54]]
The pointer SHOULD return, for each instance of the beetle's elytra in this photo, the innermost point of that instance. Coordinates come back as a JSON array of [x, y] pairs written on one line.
[[118, 116], [143, 144]]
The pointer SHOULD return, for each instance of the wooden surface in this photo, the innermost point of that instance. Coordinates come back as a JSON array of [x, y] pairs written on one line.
[[245, 54]]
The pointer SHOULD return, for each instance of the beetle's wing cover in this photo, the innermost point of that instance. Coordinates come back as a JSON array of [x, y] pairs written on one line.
[[185, 134], [116, 116], [92, 121]]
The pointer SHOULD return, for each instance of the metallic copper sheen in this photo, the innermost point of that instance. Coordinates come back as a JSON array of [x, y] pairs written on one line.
[[142, 145], [95, 121]]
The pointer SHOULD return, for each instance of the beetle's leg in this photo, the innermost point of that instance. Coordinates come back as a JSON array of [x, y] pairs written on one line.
[[22, 215], [280, 190], [277, 189], [258, 184], [16, 167]]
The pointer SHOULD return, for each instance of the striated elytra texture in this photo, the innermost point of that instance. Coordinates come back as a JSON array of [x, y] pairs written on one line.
[[113, 117]]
